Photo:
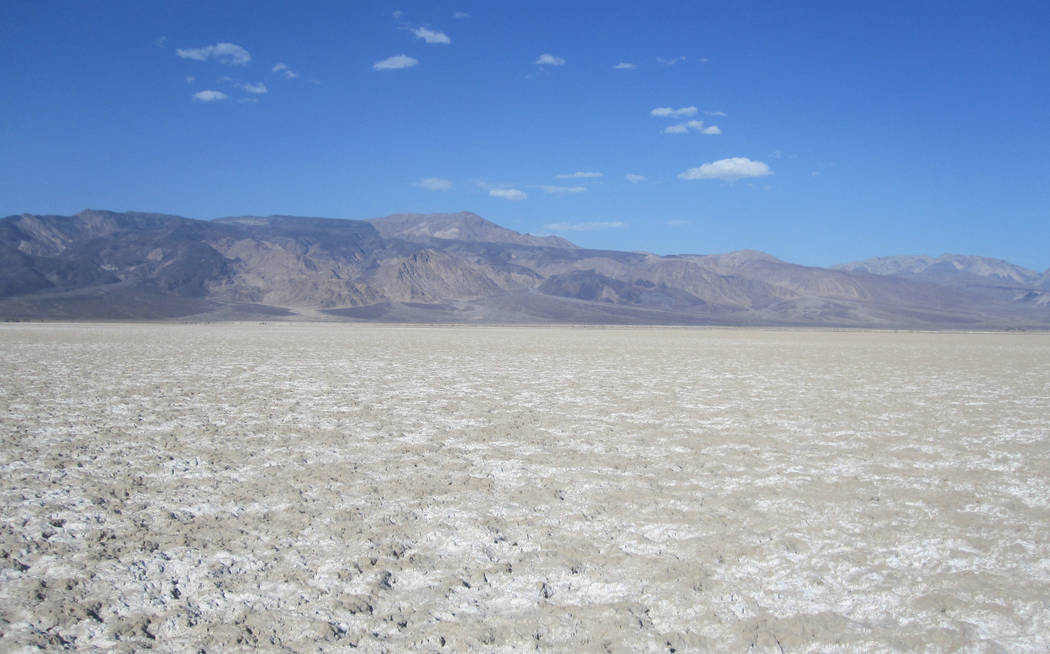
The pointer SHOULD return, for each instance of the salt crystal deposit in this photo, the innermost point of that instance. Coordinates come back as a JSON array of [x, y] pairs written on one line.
[[313, 487]]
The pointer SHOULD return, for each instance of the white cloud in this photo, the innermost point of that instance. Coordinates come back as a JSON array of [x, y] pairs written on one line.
[[224, 53], [669, 112], [623, 65], [161, 41], [670, 61], [696, 125], [729, 170], [190, 79], [549, 60], [434, 184], [508, 194], [634, 178], [583, 227], [397, 14], [257, 88], [285, 70], [461, 15], [209, 96], [561, 190], [395, 63], [721, 114], [430, 36], [579, 174]]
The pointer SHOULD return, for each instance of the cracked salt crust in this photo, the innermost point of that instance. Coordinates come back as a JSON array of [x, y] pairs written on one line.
[[293, 486]]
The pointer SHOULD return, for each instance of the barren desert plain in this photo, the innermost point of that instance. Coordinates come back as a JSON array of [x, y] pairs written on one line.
[[321, 487]]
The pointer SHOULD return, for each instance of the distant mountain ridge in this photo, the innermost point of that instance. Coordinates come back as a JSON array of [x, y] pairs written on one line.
[[463, 226], [460, 267], [982, 275], [982, 267]]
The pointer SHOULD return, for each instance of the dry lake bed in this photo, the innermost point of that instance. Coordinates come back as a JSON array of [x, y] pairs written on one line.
[[321, 487]]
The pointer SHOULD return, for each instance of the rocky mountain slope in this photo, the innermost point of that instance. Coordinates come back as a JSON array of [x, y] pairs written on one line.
[[985, 276], [445, 267]]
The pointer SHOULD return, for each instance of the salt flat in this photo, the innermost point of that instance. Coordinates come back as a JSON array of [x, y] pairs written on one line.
[[311, 487]]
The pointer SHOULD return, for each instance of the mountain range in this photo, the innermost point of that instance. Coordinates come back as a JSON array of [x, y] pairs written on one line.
[[459, 267]]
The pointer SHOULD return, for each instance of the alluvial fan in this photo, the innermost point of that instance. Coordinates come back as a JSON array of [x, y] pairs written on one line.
[[321, 486]]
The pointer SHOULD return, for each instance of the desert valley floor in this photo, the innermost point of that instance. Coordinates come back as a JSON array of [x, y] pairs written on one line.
[[316, 487]]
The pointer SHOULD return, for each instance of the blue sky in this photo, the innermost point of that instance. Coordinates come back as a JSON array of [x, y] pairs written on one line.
[[820, 132]]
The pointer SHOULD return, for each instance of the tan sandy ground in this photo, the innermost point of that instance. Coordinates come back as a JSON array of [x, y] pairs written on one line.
[[309, 487]]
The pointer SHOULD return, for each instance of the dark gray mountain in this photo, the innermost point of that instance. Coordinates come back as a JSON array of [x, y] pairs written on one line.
[[449, 268]]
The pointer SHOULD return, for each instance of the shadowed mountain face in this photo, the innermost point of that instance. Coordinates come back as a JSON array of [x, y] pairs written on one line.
[[462, 268]]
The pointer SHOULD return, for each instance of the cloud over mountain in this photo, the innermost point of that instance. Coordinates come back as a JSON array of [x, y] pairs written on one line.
[[512, 194], [431, 36], [209, 96], [396, 62], [729, 170], [434, 184], [579, 174], [224, 53], [585, 226], [670, 112]]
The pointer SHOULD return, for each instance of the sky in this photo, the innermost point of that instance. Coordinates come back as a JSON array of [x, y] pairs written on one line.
[[820, 132]]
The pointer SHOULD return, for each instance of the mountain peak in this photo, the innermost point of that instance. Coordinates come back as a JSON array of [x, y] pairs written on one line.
[[952, 269], [460, 226]]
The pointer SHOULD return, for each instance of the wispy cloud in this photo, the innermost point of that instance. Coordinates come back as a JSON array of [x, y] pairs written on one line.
[[579, 174], [395, 63], [721, 114], [434, 184], [585, 227], [224, 53], [160, 41], [209, 96], [677, 223], [431, 36], [460, 15], [508, 194], [670, 61], [634, 178], [623, 65], [561, 190], [669, 112], [283, 69], [695, 125], [258, 88], [728, 170], [548, 59], [190, 79]]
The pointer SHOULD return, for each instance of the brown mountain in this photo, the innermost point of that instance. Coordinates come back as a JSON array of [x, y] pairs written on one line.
[[439, 267]]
